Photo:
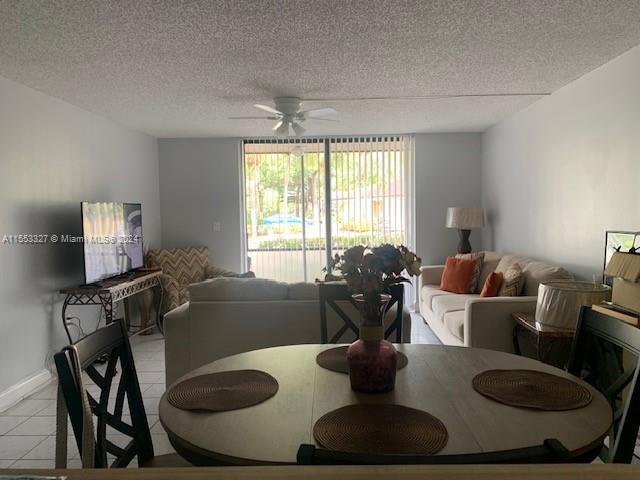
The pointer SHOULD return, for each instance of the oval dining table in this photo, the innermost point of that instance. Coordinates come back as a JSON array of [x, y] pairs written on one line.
[[436, 380]]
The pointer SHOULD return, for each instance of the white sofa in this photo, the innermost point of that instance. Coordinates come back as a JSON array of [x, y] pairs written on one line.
[[226, 316], [472, 321]]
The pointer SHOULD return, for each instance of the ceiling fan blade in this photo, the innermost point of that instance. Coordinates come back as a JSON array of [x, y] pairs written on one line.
[[267, 108], [253, 118], [318, 112], [278, 125], [283, 130], [322, 119], [429, 97], [298, 129]]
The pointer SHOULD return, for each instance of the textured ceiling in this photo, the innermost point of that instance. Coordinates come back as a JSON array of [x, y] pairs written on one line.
[[180, 68]]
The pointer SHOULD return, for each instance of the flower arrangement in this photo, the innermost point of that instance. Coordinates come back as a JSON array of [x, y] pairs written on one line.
[[371, 271]]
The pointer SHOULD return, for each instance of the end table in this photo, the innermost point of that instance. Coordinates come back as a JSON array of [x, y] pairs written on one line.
[[547, 338]]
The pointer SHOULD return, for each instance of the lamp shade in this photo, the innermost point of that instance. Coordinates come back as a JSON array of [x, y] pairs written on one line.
[[465, 218], [559, 301]]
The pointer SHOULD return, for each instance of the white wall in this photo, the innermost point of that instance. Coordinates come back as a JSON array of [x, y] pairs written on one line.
[[200, 185], [52, 156], [558, 174], [447, 175]]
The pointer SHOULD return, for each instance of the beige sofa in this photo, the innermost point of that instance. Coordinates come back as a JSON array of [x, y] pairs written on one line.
[[226, 316], [473, 321]]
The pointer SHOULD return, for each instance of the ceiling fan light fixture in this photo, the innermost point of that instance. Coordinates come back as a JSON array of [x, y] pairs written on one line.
[[283, 129], [298, 129]]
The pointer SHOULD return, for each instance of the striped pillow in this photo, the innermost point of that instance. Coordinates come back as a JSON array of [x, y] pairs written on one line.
[[512, 281], [478, 257]]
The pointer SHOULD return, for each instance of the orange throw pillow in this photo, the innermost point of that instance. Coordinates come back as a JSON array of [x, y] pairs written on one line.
[[458, 275], [492, 285]]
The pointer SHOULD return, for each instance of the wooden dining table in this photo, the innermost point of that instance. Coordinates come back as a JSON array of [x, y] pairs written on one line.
[[438, 380]]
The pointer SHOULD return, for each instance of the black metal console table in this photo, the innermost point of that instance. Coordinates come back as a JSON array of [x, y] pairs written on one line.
[[145, 282]]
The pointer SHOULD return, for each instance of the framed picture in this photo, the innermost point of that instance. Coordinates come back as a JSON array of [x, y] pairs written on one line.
[[618, 240]]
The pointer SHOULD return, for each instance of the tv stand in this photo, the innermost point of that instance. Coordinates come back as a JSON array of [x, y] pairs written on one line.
[[145, 282]]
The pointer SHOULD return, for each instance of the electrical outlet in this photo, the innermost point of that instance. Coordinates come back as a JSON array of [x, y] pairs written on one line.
[[216, 227]]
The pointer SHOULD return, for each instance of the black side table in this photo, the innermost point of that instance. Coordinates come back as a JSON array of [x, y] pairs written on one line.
[[552, 344]]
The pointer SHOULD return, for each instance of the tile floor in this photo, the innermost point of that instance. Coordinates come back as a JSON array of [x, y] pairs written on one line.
[[27, 430]]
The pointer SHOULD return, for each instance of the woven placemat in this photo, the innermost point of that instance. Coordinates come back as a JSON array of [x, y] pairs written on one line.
[[531, 389], [222, 391], [335, 359], [379, 429]]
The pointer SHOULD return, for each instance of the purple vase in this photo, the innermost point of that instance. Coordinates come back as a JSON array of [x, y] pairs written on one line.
[[372, 359]]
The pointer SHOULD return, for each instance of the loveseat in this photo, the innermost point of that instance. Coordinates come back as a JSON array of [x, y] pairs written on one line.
[[472, 321], [226, 316]]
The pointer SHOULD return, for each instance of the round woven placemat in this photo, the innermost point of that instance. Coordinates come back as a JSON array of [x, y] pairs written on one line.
[[335, 359], [531, 389], [379, 429], [222, 391]]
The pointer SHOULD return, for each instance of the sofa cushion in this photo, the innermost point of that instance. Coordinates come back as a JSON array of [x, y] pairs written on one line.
[[303, 291], [450, 303], [478, 257], [509, 260], [454, 322], [492, 285], [231, 288], [512, 281], [537, 272], [429, 292], [489, 265], [459, 275]]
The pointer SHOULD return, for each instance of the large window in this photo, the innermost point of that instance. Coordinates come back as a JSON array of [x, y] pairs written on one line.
[[303, 195]]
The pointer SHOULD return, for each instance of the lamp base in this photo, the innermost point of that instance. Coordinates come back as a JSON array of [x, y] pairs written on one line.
[[463, 243]]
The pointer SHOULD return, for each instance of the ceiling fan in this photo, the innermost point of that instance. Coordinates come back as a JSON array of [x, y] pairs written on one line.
[[289, 116]]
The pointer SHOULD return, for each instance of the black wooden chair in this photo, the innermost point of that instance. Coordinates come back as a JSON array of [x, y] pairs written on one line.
[[606, 353], [111, 341], [551, 451], [333, 292]]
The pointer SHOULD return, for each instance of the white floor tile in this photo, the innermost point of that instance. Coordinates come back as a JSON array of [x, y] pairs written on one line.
[[151, 377], [161, 444], [27, 407], [46, 450], [35, 426], [9, 423], [150, 366], [33, 464], [154, 391], [47, 393], [12, 447], [151, 405]]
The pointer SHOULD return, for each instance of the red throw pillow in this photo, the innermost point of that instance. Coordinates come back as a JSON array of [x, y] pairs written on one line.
[[458, 275], [492, 285]]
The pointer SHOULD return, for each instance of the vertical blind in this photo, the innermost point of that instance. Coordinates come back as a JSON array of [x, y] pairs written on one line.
[[293, 221]]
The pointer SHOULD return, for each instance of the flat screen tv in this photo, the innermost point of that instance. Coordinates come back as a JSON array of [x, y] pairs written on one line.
[[112, 234]]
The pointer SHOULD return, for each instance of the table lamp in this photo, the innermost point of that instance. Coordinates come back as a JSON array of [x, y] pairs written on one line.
[[465, 219], [559, 301]]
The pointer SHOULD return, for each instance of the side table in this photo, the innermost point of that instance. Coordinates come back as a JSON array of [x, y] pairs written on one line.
[[547, 339]]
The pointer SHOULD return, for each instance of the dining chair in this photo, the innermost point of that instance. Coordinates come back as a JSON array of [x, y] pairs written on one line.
[[78, 359], [605, 353], [551, 451], [332, 292]]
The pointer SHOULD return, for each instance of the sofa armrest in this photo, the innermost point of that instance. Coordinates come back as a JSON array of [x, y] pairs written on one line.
[[431, 274], [488, 322]]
